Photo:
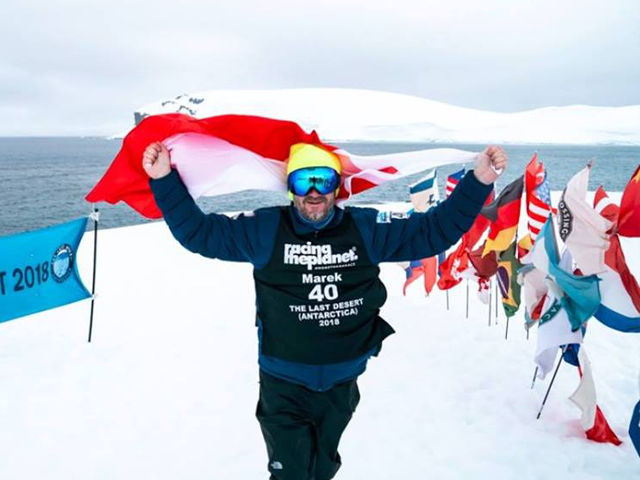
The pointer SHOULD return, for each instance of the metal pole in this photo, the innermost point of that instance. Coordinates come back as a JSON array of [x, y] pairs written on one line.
[[497, 292], [535, 374], [550, 385], [490, 299], [95, 254], [506, 332], [467, 298], [447, 291]]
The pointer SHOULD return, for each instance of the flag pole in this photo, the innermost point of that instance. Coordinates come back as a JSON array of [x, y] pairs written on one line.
[[497, 291], [551, 383], [506, 332], [490, 299], [447, 292], [95, 216], [535, 374], [467, 298]]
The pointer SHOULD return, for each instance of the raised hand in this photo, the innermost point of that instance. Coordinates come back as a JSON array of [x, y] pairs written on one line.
[[490, 164], [156, 160]]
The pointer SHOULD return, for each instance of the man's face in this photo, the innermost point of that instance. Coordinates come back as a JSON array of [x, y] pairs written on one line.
[[313, 206]]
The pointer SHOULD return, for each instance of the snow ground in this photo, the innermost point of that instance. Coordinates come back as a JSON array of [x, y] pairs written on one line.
[[168, 387]]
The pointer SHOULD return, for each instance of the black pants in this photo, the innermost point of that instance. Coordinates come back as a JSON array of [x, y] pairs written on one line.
[[302, 428]]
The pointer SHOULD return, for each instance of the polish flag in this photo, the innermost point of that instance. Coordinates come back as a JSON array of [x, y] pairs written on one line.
[[231, 153]]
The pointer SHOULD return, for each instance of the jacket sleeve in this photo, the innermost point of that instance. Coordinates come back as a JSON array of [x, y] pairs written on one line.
[[423, 235], [244, 238]]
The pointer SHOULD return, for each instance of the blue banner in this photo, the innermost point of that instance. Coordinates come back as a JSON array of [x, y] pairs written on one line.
[[634, 428], [38, 270]]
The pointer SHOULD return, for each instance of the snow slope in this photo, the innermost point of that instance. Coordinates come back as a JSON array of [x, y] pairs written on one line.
[[168, 387], [364, 115]]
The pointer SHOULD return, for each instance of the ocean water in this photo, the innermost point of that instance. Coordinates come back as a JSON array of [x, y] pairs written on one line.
[[43, 181]]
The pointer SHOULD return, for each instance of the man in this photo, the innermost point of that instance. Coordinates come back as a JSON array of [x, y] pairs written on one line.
[[318, 294]]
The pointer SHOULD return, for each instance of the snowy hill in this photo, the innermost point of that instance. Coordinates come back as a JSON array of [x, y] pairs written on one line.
[[168, 387], [363, 115]]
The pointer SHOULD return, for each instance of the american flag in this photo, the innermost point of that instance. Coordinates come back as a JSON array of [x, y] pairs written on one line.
[[452, 181], [539, 205]]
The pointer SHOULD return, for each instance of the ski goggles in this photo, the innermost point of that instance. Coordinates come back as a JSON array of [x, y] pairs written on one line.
[[323, 179]]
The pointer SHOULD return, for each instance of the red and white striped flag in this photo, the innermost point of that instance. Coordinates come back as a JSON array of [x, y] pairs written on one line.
[[452, 182], [232, 153], [538, 196]]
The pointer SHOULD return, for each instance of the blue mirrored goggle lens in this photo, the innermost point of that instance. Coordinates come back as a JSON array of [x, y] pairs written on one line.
[[323, 179]]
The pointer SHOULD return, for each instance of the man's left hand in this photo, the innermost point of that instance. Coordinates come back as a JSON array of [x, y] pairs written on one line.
[[490, 164]]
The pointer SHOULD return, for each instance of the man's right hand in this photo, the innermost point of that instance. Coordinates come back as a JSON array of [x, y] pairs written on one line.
[[156, 160]]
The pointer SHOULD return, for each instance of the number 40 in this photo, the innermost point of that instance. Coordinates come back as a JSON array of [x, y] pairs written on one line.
[[318, 293]]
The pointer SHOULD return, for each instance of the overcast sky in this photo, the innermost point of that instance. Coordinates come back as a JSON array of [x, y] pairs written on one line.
[[70, 68]]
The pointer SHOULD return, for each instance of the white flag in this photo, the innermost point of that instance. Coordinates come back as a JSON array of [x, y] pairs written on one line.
[[583, 230], [585, 395]]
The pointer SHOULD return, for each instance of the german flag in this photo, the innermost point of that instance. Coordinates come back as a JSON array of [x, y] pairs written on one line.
[[504, 214], [508, 266]]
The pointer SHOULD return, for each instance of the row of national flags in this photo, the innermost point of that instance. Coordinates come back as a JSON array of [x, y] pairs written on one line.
[[591, 279], [561, 291]]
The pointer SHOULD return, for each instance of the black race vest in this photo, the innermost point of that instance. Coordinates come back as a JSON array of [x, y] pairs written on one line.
[[319, 296]]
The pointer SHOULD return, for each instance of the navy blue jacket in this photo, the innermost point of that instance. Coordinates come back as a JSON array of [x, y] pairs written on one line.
[[251, 238]]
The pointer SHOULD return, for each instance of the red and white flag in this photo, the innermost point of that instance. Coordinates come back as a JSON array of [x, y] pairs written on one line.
[[231, 153], [451, 270], [583, 230], [593, 420], [427, 268], [452, 182], [538, 196], [605, 206], [619, 289]]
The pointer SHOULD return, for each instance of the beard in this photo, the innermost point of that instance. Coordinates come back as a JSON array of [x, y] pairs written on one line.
[[315, 209]]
